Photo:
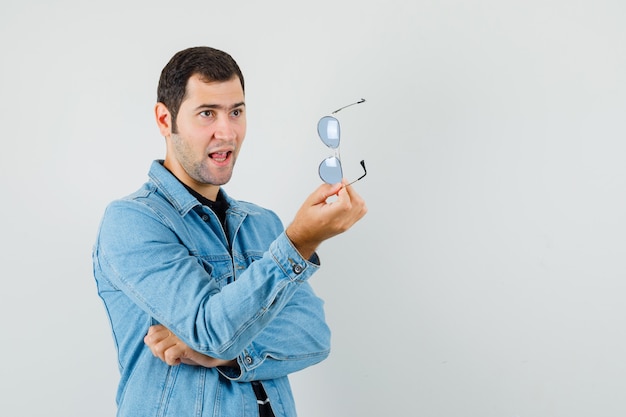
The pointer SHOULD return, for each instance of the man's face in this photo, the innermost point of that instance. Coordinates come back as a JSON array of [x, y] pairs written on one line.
[[211, 126]]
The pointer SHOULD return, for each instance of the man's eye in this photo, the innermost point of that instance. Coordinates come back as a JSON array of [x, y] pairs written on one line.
[[206, 113], [237, 112]]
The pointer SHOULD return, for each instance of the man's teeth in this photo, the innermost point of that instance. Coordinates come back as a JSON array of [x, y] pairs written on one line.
[[219, 156]]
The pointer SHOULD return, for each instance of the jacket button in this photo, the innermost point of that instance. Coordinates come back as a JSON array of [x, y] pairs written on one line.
[[205, 217], [297, 269], [249, 360]]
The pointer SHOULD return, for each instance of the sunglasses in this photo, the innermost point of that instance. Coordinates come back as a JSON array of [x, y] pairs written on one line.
[[329, 132]]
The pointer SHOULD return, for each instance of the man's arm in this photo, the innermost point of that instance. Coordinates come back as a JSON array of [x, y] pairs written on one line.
[[296, 339]]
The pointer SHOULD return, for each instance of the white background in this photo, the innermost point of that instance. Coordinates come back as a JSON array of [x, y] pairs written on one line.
[[487, 278]]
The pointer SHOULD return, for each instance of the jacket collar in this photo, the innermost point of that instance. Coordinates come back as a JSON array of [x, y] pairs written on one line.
[[176, 193]]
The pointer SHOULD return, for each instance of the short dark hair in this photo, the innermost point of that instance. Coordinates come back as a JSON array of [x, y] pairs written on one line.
[[209, 63]]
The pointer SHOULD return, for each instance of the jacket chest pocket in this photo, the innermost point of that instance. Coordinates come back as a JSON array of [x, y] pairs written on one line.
[[220, 270]]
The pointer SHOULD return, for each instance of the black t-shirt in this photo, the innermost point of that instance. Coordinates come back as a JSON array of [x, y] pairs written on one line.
[[219, 206]]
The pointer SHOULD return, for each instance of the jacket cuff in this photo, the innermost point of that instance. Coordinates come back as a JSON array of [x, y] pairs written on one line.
[[248, 361], [290, 261]]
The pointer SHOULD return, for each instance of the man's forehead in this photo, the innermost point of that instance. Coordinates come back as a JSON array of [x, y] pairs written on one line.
[[223, 93]]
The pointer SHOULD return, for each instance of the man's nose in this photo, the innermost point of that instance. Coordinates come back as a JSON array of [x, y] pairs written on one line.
[[224, 128]]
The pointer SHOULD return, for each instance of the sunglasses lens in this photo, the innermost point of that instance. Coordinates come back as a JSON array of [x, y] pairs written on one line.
[[328, 129], [330, 170]]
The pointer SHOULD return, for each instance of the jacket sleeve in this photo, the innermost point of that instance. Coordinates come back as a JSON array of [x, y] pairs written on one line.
[[298, 337], [138, 252]]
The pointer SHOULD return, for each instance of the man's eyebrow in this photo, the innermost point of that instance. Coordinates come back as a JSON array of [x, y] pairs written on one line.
[[220, 107]]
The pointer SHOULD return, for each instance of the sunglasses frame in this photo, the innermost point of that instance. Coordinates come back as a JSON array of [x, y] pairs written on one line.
[[336, 156]]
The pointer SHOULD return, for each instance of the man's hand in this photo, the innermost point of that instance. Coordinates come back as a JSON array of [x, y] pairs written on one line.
[[318, 220], [171, 350]]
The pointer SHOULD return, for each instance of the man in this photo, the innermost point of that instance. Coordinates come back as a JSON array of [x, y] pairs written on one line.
[[216, 286]]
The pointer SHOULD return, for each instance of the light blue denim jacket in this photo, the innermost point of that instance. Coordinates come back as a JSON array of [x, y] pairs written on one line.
[[162, 257]]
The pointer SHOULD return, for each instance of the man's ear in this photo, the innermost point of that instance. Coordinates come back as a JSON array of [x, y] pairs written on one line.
[[163, 119]]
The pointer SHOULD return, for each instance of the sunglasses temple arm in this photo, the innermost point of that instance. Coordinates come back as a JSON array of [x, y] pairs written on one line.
[[358, 102], [361, 177]]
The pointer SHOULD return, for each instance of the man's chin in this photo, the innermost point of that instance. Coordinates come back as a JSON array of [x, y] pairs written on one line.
[[220, 179]]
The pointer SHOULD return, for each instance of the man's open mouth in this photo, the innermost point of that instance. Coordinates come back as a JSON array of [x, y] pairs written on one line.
[[219, 156]]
